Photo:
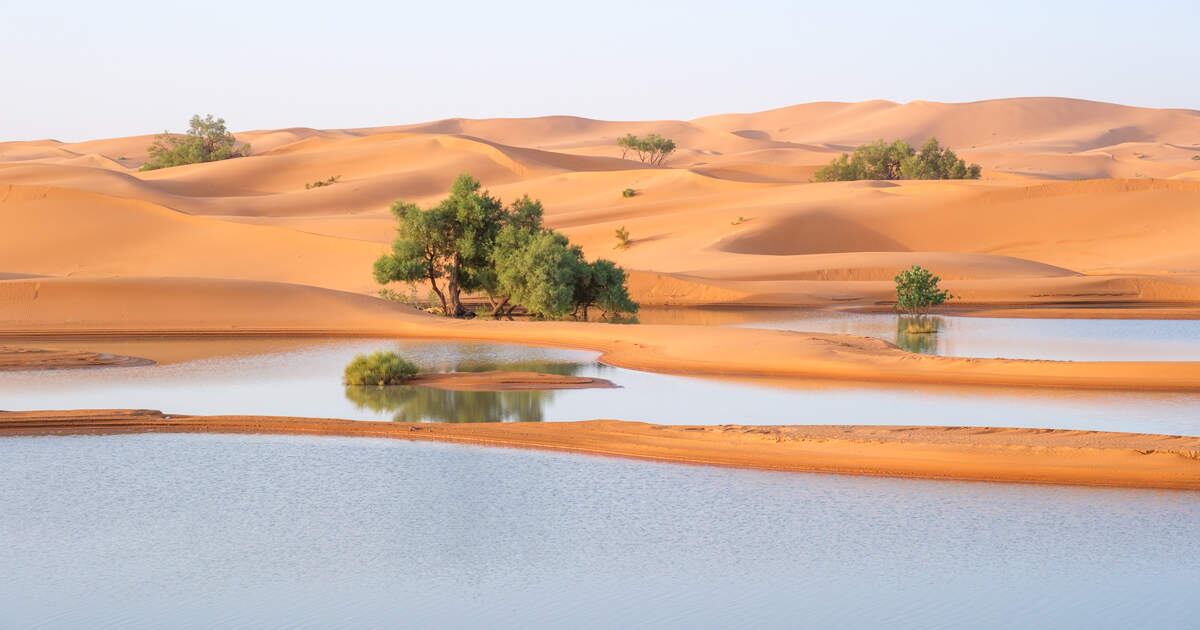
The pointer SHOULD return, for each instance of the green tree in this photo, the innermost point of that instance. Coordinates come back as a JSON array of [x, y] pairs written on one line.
[[601, 284], [917, 291], [651, 149], [897, 160], [537, 270], [452, 240], [934, 161], [207, 140]]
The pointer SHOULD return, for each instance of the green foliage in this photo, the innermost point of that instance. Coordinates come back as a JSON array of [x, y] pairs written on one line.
[[917, 290], [934, 161], [622, 238], [471, 242], [207, 140], [628, 192], [324, 182], [451, 240], [379, 369], [601, 284], [537, 269], [897, 160], [650, 149]]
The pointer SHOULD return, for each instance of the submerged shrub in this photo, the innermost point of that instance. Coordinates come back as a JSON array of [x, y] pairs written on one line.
[[379, 368], [917, 291]]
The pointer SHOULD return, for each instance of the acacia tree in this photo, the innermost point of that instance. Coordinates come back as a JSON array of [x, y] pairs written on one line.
[[206, 140], [651, 149], [917, 291]]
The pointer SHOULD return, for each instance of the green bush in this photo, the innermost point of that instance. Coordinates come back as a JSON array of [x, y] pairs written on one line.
[[897, 160], [651, 149], [379, 368], [628, 192], [917, 291], [207, 140]]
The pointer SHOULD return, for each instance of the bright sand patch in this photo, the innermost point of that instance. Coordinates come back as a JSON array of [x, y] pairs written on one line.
[[981, 454]]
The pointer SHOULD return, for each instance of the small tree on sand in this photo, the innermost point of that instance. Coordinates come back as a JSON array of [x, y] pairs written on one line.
[[207, 140], [651, 149], [917, 291]]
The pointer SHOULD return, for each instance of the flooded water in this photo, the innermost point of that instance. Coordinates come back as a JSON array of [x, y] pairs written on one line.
[[194, 531], [985, 337], [303, 378]]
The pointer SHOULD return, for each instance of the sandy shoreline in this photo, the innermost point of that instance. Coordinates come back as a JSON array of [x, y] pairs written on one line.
[[1054, 456], [19, 358]]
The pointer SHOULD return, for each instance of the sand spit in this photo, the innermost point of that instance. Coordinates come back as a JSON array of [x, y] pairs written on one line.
[[980, 454], [13, 358], [501, 381]]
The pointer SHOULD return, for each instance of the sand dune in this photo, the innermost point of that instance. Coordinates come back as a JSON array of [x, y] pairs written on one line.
[[977, 454], [731, 219]]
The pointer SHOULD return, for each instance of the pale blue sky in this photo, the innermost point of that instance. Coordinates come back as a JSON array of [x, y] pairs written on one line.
[[87, 69]]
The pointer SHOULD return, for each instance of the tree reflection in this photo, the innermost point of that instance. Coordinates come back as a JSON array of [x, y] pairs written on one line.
[[918, 333], [408, 403]]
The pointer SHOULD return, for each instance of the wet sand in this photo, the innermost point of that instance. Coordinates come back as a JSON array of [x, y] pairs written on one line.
[[1052, 456], [14, 358]]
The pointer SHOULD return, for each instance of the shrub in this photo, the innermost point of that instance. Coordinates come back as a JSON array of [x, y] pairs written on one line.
[[628, 192], [207, 140], [897, 160], [324, 182], [740, 220], [1196, 157], [917, 291], [379, 369], [622, 238]]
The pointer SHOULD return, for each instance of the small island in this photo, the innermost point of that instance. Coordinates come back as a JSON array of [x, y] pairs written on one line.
[[382, 369], [13, 358]]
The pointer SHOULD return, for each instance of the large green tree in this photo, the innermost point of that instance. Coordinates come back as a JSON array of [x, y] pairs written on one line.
[[206, 140], [452, 241]]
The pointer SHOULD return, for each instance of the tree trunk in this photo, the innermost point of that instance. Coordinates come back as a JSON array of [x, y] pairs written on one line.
[[454, 290], [438, 292], [498, 307]]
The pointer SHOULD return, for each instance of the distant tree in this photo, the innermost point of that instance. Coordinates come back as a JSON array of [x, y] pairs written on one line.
[[917, 291], [207, 140], [897, 160], [652, 149], [934, 161]]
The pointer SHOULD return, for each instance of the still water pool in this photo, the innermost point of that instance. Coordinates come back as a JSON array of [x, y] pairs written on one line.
[[195, 531], [303, 378], [985, 337]]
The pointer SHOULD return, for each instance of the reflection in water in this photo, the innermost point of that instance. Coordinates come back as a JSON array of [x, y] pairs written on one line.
[[408, 403], [918, 333]]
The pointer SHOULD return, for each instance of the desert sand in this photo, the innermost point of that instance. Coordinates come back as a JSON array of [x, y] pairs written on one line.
[[1081, 204], [980, 454]]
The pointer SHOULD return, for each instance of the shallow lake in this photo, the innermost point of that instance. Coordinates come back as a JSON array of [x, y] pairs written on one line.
[[195, 531], [303, 378], [986, 337]]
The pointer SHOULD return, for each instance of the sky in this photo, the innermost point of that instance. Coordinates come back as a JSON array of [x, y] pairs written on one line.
[[78, 70]]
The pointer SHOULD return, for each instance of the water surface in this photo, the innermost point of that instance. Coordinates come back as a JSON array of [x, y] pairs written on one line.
[[303, 378], [192, 531], [984, 337]]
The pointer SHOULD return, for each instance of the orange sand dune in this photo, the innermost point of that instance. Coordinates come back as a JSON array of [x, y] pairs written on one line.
[[69, 306], [978, 454], [731, 219]]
